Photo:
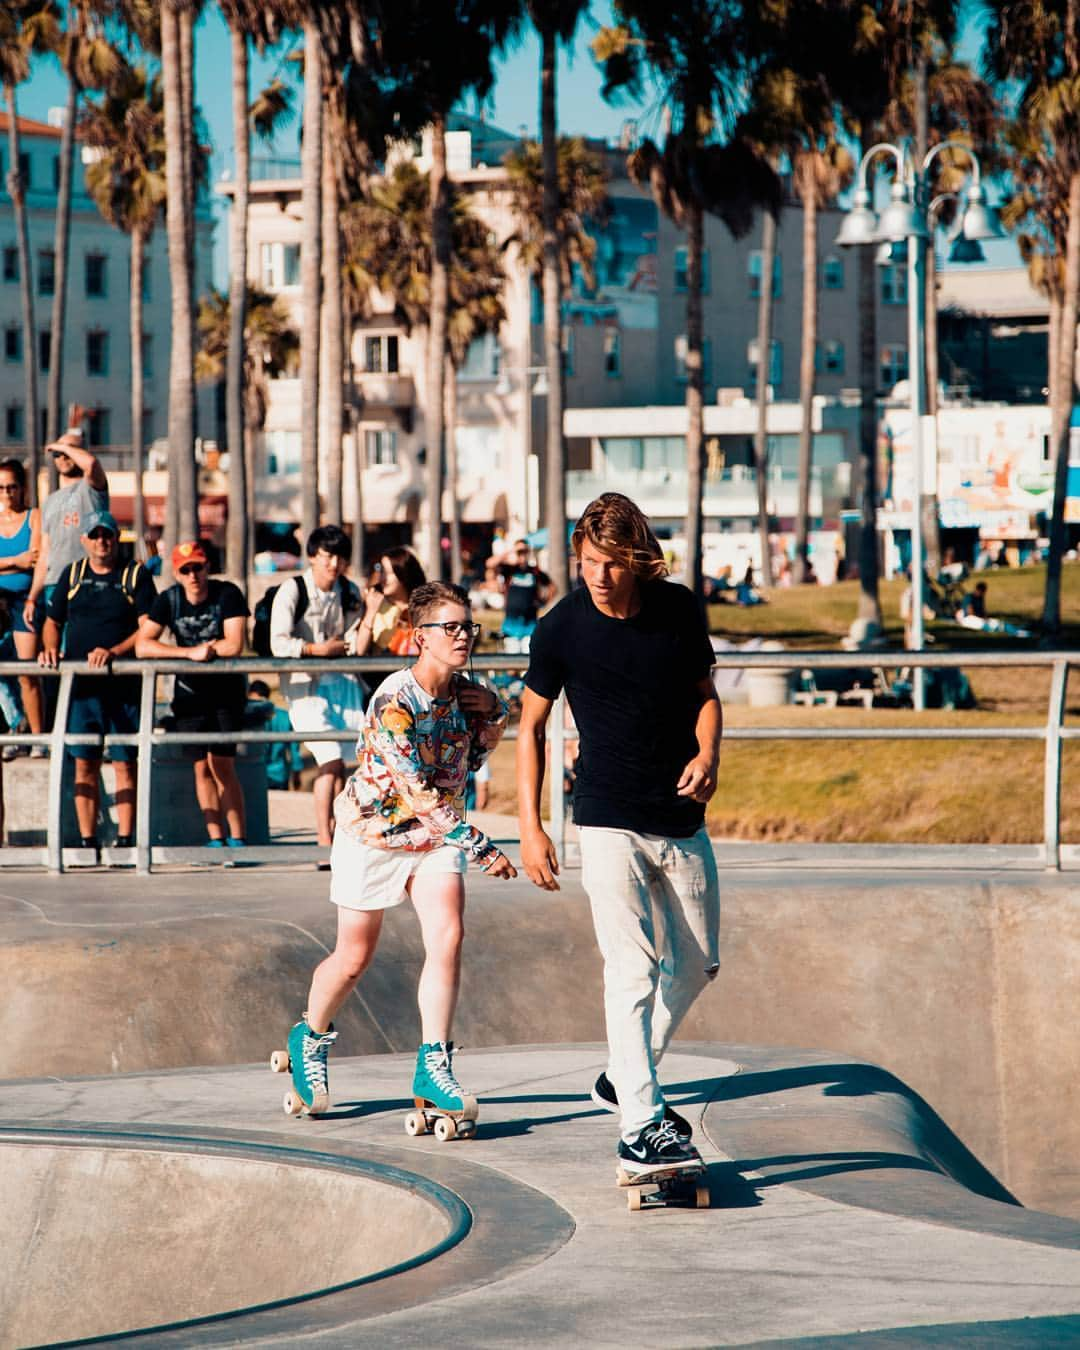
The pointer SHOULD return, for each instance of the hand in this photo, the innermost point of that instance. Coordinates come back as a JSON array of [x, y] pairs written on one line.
[[474, 698], [49, 658], [698, 780], [331, 647], [24, 561], [203, 652], [30, 614], [372, 602], [500, 866], [99, 658], [540, 861]]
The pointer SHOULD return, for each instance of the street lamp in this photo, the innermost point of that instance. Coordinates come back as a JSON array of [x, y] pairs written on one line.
[[907, 219], [538, 388]]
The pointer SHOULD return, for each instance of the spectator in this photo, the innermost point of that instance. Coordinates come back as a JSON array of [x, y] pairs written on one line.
[[95, 607], [208, 619], [83, 492], [385, 626], [527, 592], [316, 615], [20, 545], [488, 594], [283, 762], [973, 604]]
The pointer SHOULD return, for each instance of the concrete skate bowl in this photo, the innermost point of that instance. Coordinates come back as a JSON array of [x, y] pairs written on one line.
[[106, 1236]]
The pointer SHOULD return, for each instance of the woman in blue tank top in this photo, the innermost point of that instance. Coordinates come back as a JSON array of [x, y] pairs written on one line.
[[20, 541]]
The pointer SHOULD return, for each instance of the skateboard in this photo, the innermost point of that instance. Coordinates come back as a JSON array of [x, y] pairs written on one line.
[[445, 1125], [293, 1104], [677, 1187]]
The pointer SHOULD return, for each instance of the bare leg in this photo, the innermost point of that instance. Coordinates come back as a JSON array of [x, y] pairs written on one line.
[[336, 977], [208, 797], [87, 794], [26, 645], [126, 778], [439, 902], [230, 794], [328, 783]]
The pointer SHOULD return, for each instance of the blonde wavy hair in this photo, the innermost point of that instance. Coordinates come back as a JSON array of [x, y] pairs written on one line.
[[617, 526]]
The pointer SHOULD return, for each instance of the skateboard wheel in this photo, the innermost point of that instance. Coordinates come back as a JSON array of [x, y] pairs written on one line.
[[701, 1197], [280, 1062], [415, 1123], [633, 1198], [445, 1129], [292, 1105]]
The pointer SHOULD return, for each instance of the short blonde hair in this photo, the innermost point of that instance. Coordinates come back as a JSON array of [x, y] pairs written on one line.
[[617, 526]]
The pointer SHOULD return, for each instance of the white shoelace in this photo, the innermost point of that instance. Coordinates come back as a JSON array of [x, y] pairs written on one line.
[[665, 1135], [441, 1073], [316, 1050]]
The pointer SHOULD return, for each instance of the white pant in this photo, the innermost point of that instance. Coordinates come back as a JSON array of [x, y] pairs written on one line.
[[656, 910]]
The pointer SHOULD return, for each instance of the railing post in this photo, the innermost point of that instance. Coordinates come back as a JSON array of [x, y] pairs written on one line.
[[54, 817], [145, 770], [557, 787], [1055, 714]]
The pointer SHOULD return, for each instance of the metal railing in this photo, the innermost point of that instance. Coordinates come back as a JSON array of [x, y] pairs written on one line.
[[1052, 732]]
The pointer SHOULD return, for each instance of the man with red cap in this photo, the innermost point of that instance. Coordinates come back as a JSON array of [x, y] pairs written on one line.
[[207, 619]]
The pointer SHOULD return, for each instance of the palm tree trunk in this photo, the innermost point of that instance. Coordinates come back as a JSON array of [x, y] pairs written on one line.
[[440, 304], [931, 527], [1053, 346], [236, 538], [806, 367], [183, 482], [761, 434], [869, 601], [555, 475], [187, 87], [26, 294], [695, 397], [1062, 412], [333, 331], [356, 439], [138, 259], [62, 250], [456, 568], [311, 279]]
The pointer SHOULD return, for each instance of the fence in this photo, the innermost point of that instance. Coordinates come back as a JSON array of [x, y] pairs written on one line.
[[1053, 733]]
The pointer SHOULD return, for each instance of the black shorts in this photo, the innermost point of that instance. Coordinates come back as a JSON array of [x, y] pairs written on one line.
[[222, 717], [101, 704]]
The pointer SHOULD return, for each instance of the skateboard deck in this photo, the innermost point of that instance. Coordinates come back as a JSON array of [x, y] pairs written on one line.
[[681, 1187], [445, 1125]]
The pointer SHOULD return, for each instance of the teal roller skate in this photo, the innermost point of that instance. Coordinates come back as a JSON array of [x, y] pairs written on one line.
[[306, 1057], [442, 1104]]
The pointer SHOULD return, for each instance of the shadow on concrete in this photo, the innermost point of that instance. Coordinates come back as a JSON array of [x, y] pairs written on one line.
[[730, 1190]]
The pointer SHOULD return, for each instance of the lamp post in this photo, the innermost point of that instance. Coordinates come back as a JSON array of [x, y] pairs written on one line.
[[908, 219], [538, 388]]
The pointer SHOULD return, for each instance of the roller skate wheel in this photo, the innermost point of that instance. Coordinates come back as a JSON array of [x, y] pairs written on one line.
[[701, 1196], [292, 1105], [280, 1062], [466, 1129], [633, 1198], [445, 1129], [415, 1123]]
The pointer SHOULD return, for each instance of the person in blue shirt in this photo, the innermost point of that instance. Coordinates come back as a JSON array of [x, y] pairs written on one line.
[[283, 758]]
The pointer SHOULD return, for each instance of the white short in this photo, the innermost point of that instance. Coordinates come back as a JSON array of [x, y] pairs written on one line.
[[375, 878], [337, 704]]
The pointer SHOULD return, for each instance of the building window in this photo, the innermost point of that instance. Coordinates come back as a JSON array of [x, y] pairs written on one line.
[[24, 169], [776, 363], [46, 271], [754, 275], [894, 285], [282, 451], [44, 347], [829, 358], [612, 352], [13, 343], [11, 263], [96, 274], [13, 422], [894, 365], [147, 356], [682, 347], [100, 427], [568, 351], [682, 272], [97, 352], [280, 265], [482, 360], [290, 264], [381, 354], [381, 447], [56, 173], [832, 274]]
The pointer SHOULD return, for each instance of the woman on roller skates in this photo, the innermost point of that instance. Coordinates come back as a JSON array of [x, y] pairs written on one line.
[[401, 834]]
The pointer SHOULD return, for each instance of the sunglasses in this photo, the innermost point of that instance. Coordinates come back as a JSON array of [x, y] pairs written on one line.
[[101, 534], [192, 569], [10, 487], [454, 629]]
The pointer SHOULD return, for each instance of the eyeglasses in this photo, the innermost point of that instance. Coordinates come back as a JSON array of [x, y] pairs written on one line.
[[192, 569], [10, 487], [454, 629]]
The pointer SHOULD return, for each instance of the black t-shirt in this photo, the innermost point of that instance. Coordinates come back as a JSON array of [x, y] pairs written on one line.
[[101, 612], [632, 687], [523, 586], [192, 625]]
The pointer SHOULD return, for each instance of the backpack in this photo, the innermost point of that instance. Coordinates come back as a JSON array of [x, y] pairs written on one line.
[[128, 577], [260, 632]]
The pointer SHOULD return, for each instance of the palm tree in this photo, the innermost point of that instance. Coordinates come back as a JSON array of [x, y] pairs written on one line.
[[126, 130], [333, 319], [24, 29], [700, 54], [311, 266], [761, 434]]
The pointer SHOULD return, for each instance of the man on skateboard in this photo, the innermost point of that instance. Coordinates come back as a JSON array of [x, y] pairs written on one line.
[[632, 651], [401, 836]]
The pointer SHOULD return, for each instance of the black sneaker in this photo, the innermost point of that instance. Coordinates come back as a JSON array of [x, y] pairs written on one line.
[[659, 1145], [603, 1094], [125, 841]]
